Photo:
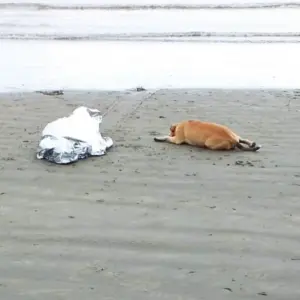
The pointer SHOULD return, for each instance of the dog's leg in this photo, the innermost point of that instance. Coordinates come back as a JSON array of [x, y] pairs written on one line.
[[217, 144], [253, 148], [251, 144], [167, 138]]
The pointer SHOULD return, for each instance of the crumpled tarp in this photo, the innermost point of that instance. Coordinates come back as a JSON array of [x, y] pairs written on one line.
[[72, 138]]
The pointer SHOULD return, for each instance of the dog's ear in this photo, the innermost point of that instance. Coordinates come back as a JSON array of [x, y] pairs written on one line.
[[173, 127]]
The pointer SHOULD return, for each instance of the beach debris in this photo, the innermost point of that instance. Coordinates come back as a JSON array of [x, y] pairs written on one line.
[[262, 294], [228, 289], [190, 174], [51, 93], [69, 139], [153, 133], [244, 163], [212, 207], [8, 158], [140, 89]]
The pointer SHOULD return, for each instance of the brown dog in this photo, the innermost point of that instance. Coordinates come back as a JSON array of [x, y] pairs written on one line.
[[207, 135]]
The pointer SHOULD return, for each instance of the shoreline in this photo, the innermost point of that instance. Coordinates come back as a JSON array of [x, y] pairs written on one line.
[[207, 25], [154, 5], [144, 90], [121, 65]]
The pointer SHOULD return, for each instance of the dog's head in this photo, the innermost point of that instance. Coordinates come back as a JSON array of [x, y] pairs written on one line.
[[173, 129]]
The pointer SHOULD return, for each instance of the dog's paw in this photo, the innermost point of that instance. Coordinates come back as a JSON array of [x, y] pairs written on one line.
[[256, 147]]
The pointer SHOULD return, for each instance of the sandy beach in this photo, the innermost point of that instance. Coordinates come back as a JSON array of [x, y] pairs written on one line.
[[151, 220]]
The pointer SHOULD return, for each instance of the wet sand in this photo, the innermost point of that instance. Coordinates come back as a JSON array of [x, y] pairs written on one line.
[[151, 220]]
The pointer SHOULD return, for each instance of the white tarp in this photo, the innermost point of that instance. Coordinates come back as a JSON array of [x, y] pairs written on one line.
[[75, 137]]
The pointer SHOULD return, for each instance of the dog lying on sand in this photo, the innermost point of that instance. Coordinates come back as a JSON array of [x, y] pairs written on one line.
[[206, 135]]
